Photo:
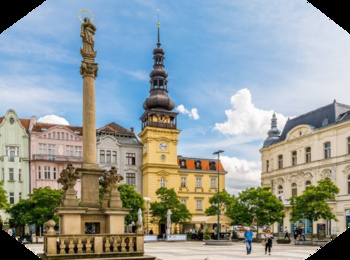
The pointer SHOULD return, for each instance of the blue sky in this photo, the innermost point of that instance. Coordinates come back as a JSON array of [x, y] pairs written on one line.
[[230, 65]]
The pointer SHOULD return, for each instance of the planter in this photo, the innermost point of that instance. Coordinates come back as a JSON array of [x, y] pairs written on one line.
[[283, 241]]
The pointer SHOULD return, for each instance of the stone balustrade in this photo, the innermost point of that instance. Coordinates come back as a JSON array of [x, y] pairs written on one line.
[[96, 244]]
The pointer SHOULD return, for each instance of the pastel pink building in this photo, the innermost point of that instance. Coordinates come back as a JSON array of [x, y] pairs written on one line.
[[52, 147]]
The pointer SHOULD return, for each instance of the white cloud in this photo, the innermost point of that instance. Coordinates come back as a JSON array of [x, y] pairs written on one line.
[[192, 114], [241, 174], [53, 119], [245, 119]]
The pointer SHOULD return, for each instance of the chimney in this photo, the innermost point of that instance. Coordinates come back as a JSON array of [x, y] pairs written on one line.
[[132, 129]]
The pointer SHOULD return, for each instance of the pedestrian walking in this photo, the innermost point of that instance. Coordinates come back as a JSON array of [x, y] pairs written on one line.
[[286, 233], [296, 234], [268, 240], [248, 235]]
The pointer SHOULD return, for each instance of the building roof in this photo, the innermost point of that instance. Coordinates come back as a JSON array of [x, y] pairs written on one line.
[[325, 116], [41, 127], [113, 127], [190, 164], [24, 122]]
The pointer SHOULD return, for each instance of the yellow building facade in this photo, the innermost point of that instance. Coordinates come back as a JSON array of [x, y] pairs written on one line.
[[161, 166], [311, 147]]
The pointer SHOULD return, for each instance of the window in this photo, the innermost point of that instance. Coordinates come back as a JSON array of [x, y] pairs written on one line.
[[54, 135], [54, 173], [20, 195], [294, 158], [130, 158], [280, 192], [47, 172], [69, 150], [2, 174], [11, 177], [58, 136], [183, 201], [348, 145], [308, 154], [267, 165], [212, 166], [130, 179], [114, 157], [294, 189], [42, 149], [78, 151], [183, 164], [280, 161], [213, 182], [198, 204], [307, 184], [12, 198], [183, 181], [349, 184], [19, 174], [162, 182], [102, 156], [198, 182], [327, 150], [108, 157], [12, 152], [198, 165], [39, 172], [52, 151]]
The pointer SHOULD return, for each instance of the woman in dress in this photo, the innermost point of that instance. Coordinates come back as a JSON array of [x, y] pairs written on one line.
[[268, 239]]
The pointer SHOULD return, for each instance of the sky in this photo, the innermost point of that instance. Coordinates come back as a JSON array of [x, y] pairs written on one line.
[[231, 64]]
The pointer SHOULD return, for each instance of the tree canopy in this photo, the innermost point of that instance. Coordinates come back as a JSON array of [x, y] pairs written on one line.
[[312, 203], [168, 200], [3, 198], [131, 199], [38, 209], [261, 205]]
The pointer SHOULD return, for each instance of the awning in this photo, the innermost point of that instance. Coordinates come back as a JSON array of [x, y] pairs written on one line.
[[211, 220]]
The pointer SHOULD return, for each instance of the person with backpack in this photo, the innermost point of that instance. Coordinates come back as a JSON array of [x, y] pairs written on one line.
[[248, 235]]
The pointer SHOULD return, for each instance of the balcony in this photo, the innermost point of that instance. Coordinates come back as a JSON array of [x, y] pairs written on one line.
[[57, 158], [159, 124]]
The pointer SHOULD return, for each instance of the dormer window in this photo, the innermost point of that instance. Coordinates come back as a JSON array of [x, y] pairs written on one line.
[[212, 166], [183, 164], [198, 165], [325, 122]]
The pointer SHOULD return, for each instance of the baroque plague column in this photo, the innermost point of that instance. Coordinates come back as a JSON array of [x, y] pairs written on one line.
[[91, 229]]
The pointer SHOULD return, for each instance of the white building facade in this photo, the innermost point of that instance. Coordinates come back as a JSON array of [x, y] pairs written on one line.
[[119, 147], [311, 147]]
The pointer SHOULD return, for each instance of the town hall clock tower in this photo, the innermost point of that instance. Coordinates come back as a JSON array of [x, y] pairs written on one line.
[[159, 134]]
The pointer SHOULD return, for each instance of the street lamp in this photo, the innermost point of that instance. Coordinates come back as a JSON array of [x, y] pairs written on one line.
[[218, 225], [148, 200]]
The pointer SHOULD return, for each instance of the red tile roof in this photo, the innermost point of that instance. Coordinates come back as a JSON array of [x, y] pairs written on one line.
[[38, 127], [190, 164]]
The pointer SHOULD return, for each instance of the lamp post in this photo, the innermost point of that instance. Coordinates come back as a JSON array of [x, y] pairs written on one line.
[[148, 200], [218, 225]]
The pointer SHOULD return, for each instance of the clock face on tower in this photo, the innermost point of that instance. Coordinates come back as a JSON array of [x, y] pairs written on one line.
[[162, 146]]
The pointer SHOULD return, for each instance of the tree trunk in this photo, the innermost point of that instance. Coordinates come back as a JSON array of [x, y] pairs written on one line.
[[312, 232]]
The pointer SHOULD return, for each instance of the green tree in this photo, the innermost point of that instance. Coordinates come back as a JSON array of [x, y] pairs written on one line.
[[312, 203], [3, 198], [38, 209], [131, 199], [262, 205], [230, 207], [168, 200]]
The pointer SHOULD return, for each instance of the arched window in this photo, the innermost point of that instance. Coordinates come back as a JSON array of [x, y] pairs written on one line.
[[294, 189], [327, 150], [280, 191], [162, 182], [307, 184]]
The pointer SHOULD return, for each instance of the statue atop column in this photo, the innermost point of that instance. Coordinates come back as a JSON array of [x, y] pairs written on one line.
[[88, 30]]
